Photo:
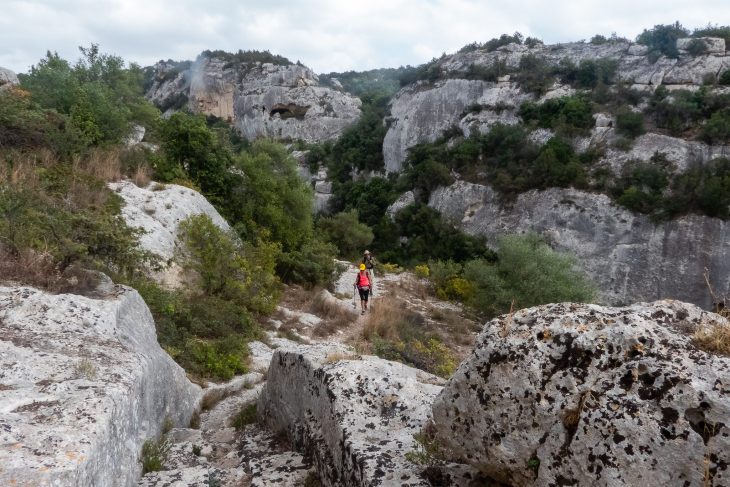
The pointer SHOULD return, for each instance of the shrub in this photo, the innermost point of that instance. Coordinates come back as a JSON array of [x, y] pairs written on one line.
[[312, 264], [534, 74], [245, 417], [154, 454], [422, 271], [725, 77], [697, 47], [226, 268], [526, 273], [662, 39], [630, 124], [219, 359], [569, 114], [346, 232], [717, 128]]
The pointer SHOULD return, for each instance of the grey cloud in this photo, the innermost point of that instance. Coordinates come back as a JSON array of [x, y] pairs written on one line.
[[328, 35]]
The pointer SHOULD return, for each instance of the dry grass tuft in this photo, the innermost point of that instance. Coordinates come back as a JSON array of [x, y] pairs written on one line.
[[387, 316], [102, 164], [30, 267], [714, 337], [335, 316], [337, 356], [142, 176]]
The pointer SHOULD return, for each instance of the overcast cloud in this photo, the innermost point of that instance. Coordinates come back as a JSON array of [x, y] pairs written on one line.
[[327, 35]]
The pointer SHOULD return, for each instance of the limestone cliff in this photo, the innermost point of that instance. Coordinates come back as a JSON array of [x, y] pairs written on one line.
[[421, 112], [259, 99], [630, 257]]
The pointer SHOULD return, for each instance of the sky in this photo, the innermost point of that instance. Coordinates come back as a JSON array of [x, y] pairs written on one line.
[[326, 35]]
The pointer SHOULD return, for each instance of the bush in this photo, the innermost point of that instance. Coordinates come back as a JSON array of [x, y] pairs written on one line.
[[534, 75], [725, 77], [311, 265], [662, 39], [528, 273], [717, 128], [245, 417], [346, 232], [154, 454], [569, 114], [696, 47], [226, 268], [630, 124]]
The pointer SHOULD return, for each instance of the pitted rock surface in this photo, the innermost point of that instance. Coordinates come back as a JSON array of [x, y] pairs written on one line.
[[83, 382], [260, 100], [627, 255], [355, 417], [591, 395]]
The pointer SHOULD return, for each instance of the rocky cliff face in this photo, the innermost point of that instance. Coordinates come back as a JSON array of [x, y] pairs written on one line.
[[630, 257], [259, 99], [571, 394], [83, 383], [421, 112]]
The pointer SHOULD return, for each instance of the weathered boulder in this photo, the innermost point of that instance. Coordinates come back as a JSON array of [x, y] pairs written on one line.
[[570, 394], [7, 78], [714, 45], [83, 383], [626, 254], [356, 416], [158, 209], [259, 99]]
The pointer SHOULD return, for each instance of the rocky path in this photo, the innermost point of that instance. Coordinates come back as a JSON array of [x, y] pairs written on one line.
[[213, 452]]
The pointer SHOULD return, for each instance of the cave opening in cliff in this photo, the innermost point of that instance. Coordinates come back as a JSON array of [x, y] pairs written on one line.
[[289, 110]]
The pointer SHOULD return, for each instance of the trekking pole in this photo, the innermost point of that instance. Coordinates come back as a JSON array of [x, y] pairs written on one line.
[[354, 306]]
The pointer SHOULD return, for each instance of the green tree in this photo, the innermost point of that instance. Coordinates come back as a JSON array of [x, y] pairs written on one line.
[[272, 200], [527, 273], [346, 232]]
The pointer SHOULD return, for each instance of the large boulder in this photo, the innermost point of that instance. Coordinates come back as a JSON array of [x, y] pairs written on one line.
[[259, 99], [157, 209], [626, 254], [568, 394], [83, 383], [356, 416]]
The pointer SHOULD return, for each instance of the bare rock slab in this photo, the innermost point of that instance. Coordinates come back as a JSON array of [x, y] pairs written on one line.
[[83, 383], [570, 394], [354, 416]]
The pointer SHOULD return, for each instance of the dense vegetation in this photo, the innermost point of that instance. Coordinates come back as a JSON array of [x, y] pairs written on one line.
[[60, 143]]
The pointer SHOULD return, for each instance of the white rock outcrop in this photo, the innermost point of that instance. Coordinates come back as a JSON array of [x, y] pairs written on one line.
[[158, 209], [568, 394], [259, 99], [7, 78], [83, 383], [626, 254], [421, 113], [355, 416], [406, 199]]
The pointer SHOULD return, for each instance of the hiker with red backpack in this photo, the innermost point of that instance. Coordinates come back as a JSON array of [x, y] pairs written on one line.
[[364, 285]]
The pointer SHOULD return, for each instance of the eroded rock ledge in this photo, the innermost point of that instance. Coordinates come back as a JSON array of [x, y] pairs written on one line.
[[570, 394], [83, 383], [355, 416]]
